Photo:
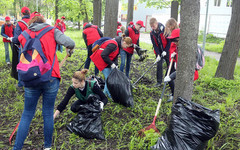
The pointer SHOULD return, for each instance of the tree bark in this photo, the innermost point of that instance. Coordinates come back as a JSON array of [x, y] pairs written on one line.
[[97, 12], [190, 15], [174, 9], [110, 21], [130, 11], [56, 9], [231, 47]]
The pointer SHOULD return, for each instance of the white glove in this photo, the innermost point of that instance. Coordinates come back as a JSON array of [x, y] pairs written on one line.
[[158, 58], [101, 105], [113, 66], [135, 46], [8, 38], [167, 79], [164, 54], [11, 39], [173, 55]]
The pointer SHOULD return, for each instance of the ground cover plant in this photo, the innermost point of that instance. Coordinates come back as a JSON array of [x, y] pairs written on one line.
[[120, 123]]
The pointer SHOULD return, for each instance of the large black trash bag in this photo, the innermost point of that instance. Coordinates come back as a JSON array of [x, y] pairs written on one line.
[[120, 88], [88, 123], [191, 126]]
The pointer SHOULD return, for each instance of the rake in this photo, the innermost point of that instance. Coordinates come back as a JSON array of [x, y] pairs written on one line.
[[153, 126]]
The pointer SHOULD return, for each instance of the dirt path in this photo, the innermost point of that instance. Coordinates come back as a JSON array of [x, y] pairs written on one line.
[[146, 38]]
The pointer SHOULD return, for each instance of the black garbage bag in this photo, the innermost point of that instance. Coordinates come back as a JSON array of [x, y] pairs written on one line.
[[191, 126], [120, 88], [88, 123]]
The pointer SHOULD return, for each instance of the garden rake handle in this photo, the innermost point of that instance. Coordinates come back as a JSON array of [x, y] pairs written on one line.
[[160, 100], [69, 53], [144, 73]]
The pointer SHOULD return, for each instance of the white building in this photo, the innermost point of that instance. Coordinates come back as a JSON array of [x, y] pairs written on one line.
[[219, 14]]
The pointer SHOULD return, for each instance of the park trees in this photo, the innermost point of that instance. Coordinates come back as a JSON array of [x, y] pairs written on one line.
[[231, 47]]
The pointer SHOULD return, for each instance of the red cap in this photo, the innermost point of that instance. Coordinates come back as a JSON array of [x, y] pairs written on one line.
[[7, 18], [131, 23], [58, 20], [85, 24], [24, 10], [63, 17], [175, 34], [140, 23], [35, 13]]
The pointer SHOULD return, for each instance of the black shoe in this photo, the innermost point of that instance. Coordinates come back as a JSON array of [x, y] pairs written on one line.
[[157, 85], [170, 99]]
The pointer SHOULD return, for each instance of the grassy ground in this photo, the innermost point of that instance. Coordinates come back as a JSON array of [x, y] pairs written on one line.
[[120, 123]]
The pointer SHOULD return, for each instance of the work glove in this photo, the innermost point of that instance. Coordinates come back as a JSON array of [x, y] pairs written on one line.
[[173, 55], [167, 79], [113, 66], [101, 105], [164, 54], [10, 39], [158, 58], [70, 52], [135, 46]]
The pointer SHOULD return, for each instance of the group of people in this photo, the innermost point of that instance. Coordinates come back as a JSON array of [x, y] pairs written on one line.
[[60, 25], [105, 58]]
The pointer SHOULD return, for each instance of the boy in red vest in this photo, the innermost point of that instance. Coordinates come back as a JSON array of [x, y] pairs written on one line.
[[7, 33], [91, 33], [20, 27]]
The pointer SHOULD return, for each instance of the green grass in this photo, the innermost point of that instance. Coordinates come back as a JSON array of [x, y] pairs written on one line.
[[121, 124], [210, 38]]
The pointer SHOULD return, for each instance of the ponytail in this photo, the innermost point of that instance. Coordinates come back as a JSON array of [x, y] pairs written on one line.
[[80, 75]]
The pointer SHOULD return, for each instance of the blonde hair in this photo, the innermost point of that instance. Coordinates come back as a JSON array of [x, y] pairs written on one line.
[[170, 23], [152, 21], [80, 75], [127, 40], [122, 29]]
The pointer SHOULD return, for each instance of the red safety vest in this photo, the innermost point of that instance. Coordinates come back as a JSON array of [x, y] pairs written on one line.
[[96, 56], [48, 47], [92, 34], [163, 40], [134, 36], [22, 25], [8, 32]]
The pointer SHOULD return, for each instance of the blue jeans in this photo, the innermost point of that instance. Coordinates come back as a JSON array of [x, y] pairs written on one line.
[[106, 73], [125, 55], [7, 58], [59, 47], [88, 60], [49, 92]]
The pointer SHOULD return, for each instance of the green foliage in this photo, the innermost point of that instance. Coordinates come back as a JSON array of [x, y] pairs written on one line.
[[159, 4], [5, 5]]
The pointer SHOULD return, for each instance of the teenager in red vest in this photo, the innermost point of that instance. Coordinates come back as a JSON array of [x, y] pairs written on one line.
[[63, 24], [161, 47], [20, 27], [91, 33], [126, 53], [106, 57], [174, 55], [48, 90], [7, 32], [60, 27]]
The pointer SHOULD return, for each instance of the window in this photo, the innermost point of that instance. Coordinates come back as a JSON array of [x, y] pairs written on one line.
[[217, 2], [229, 3]]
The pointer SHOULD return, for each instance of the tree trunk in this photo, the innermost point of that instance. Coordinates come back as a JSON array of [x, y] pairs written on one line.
[[110, 21], [97, 12], [130, 11], [231, 47], [174, 9], [14, 9], [56, 9], [190, 15]]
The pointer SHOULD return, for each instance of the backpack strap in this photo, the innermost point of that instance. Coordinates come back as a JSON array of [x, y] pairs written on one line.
[[44, 31], [23, 22]]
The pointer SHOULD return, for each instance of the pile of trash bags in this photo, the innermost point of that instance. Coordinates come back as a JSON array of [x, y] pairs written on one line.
[[191, 126], [88, 123], [120, 88]]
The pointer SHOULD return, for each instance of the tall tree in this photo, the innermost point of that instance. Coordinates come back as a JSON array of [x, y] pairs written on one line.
[[231, 47], [97, 12], [110, 21], [190, 14], [130, 11], [174, 9], [56, 9]]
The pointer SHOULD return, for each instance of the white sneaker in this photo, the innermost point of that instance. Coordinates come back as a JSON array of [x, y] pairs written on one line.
[[47, 148], [8, 63]]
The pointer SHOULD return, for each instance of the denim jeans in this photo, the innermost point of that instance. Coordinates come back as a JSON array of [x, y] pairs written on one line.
[[106, 73], [7, 58], [88, 60], [48, 91], [59, 47], [125, 55]]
